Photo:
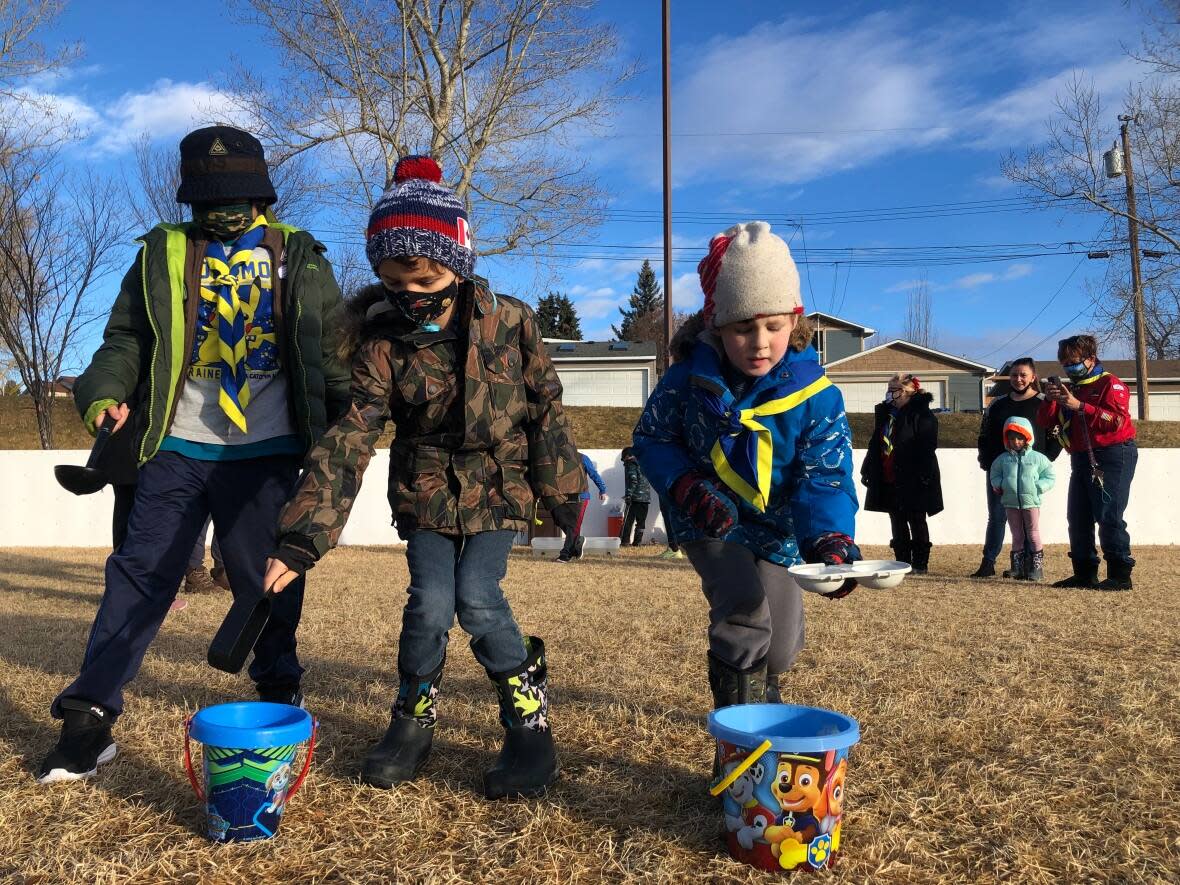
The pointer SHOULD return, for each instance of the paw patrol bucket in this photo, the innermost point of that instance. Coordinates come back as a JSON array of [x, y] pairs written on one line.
[[249, 776], [782, 782]]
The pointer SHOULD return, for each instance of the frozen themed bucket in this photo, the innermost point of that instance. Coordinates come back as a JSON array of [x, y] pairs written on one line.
[[249, 751], [782, 782]]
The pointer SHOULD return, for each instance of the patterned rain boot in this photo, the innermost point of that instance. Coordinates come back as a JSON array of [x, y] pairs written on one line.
[[1035, 566], [527, 764], [773, 693], [733, 686], [1017, 571], [400, 755]]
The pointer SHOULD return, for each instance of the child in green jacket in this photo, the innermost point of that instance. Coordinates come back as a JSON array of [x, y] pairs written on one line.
[[1021, 475]]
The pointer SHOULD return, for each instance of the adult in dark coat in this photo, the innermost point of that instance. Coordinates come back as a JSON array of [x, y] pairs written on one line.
[[900, 468]]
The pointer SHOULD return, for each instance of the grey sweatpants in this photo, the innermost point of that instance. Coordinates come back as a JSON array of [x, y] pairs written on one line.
[[755, 606]]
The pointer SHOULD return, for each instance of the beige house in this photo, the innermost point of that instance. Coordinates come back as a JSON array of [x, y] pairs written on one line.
[[956, 382]]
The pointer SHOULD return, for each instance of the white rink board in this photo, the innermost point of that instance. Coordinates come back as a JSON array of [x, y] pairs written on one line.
[[36, 512]]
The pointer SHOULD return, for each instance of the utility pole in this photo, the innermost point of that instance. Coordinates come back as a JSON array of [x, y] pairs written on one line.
[[1136, 279], [667, 22]]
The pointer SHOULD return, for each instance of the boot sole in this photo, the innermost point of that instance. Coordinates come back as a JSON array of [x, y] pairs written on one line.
[[61, 775]]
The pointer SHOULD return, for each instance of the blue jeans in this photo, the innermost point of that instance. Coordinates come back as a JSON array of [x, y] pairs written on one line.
[[458, 575], [175, 496], [1089, 505]]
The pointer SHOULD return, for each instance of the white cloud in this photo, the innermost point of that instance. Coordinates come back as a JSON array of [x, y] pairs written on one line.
[[167, 110], [1017, 271]]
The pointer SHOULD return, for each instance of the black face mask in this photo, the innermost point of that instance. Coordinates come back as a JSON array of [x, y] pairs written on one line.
[[422, 307]]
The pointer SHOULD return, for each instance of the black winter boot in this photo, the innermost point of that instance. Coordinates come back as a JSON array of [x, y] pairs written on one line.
[[527, 764], [1118, 576], [638, 538], [773, 692], [903, 550], [987, 569], [404, 749], [85, 743], [733, 686], [1085, 577], [921, 560]]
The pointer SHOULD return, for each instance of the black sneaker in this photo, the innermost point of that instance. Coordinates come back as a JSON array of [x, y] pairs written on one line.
[[578, 545], [564, 556], [85, 743]]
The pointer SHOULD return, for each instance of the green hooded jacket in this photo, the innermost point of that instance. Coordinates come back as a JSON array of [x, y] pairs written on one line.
[[144, 356]]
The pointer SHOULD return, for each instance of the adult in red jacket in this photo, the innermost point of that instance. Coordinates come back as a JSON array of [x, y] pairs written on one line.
[[1091, 418]]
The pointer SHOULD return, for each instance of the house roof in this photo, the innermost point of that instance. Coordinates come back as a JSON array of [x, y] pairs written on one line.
[[828, 320], [600, 350], [901, 344]]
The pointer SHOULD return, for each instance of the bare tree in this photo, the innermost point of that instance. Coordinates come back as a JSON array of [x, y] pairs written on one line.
[[60, 237], [493, 89], [919, 314]]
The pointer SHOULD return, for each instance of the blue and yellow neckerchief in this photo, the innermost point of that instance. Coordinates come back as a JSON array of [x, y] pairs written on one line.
[[229, 283], [743, 455], [1065, 416], [887, 434]]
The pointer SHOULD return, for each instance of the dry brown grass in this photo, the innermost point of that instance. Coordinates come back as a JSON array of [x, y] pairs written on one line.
[[1009, 733]]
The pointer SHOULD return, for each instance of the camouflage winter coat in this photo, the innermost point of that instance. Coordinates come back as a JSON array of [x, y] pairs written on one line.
[[472, 449]]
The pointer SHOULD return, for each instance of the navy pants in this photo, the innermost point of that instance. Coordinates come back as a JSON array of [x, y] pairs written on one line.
[[174, 497], [1088, 505], [458, 575]]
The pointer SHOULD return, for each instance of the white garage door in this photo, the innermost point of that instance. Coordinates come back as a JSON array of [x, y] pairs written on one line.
[[603, 387], [864, 396], [1164, 406]]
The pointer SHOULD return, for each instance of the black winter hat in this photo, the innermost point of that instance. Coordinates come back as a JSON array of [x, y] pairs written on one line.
[[221, 164]]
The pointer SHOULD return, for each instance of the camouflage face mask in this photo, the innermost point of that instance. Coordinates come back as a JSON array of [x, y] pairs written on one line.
[[224, 223]]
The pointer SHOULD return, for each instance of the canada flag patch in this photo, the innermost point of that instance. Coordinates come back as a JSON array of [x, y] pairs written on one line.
[[464, 233]]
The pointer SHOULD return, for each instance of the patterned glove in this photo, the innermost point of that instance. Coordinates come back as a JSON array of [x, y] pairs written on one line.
[[565, 516], [710, 509], [834, 548]]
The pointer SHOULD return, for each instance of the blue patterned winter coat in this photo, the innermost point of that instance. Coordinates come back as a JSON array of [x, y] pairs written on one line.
[[784, 450]]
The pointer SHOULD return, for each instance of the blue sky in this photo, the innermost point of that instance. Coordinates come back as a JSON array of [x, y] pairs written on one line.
[[790, 112]]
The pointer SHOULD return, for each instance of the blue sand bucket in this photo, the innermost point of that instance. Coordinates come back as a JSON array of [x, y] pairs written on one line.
[[249, 751], [782, 778]]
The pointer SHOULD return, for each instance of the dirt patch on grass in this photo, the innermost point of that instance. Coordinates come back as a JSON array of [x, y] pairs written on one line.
[[1009, 732]]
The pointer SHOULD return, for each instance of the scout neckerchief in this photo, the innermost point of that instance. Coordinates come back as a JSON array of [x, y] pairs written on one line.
[[743, 455], [1065, 416], [887, 434], [230, 284]]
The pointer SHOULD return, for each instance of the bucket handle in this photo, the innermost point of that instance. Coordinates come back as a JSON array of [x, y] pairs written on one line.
[[192, 775], [726, 782]]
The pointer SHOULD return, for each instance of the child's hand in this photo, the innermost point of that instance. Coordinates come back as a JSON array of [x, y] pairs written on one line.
[[997, 490], [710, 510], [278, 576], [294, 557], [834, 548], [120, 413]]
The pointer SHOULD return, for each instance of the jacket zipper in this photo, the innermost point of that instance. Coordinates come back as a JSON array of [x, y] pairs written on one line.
[[295, 344], [147, 304]]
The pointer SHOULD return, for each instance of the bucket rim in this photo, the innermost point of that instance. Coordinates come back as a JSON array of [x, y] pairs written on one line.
[[847, 733], [279, 725]]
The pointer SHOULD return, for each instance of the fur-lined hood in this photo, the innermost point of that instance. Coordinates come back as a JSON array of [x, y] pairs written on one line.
[[355, 325], [690, 332]]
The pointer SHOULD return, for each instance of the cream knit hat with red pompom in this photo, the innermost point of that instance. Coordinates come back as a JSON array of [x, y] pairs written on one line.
[[748, 273]]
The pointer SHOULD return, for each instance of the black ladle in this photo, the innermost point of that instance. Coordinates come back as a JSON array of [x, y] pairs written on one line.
[[89, 479], [239, 631]]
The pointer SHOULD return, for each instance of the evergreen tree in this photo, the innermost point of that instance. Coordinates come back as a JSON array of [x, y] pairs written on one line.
[[558, 318], [646, 299]]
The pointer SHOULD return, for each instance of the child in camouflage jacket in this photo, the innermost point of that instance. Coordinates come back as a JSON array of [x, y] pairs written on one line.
[[480, 434]]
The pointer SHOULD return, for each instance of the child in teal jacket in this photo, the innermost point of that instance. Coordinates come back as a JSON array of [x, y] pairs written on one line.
[[1021, 475]]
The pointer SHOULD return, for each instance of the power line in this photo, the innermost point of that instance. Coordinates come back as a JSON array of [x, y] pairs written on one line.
[[1044, 307], [1057, 330]]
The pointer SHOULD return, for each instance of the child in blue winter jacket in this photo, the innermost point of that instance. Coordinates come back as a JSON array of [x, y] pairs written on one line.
[[1020, 476], [746, 440]]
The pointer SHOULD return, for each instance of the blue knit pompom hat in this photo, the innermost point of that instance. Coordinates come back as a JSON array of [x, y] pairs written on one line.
[[418, 216]]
